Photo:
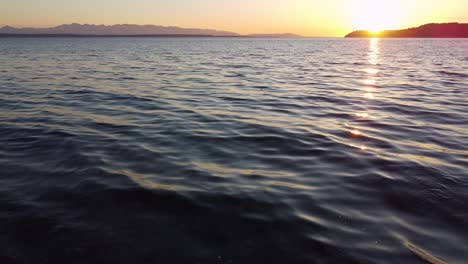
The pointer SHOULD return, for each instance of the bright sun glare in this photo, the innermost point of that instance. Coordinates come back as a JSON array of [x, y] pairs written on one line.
[[377, 15]]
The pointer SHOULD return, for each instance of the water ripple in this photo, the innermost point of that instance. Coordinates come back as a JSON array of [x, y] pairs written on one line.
[[232, 150]]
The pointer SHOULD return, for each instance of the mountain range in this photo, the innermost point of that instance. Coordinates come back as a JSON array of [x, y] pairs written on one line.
[[127, 30], [444, 30]]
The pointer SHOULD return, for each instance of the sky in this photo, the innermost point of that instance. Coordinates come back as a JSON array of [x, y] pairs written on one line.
[[304, 17]]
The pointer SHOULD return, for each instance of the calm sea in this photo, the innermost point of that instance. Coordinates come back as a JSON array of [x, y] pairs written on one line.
[[194, 150]]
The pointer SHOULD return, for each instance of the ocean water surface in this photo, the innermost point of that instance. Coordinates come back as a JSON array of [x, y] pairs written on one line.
[[202, 150]]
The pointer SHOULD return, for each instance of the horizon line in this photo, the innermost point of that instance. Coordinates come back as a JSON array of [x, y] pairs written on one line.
[[233, 34], [155, 25]]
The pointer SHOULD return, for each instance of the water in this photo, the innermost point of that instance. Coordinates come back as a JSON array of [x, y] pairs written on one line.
[[200, 150]]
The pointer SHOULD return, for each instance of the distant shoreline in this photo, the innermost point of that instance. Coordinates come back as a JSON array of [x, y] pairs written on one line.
[[142, 36], [129, 30], [117, 36], [445, 30]]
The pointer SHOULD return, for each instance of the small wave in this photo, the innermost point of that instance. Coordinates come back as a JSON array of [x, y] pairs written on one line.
[[162, 146], [455, 74]]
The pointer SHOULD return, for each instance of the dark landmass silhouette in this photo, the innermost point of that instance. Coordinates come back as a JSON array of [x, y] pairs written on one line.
[[446, 30], [124, 30]]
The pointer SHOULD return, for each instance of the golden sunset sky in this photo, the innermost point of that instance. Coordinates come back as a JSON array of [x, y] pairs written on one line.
[[304, 17]]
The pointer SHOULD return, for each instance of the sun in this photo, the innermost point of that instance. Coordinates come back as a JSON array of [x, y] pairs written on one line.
[[377, 15]]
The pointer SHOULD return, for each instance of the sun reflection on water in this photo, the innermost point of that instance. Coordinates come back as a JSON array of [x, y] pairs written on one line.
[[372, 71], [356, 132], [369, 82], [362, 115], [369, 88], [374, 51]]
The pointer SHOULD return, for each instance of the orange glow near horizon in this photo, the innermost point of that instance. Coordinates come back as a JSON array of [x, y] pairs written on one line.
[[304, 17]]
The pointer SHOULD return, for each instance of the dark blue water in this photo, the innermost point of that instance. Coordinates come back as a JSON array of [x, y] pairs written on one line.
[[233, 150]]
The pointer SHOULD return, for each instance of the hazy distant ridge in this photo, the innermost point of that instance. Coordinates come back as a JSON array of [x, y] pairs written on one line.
[[128, 30], [125, 29], [447, 30]]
